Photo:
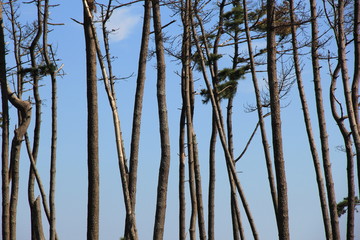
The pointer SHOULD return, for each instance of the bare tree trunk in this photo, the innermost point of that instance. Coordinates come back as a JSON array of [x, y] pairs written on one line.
[[349, 155], [282, 214], [212, 179], [182, 159], [351, 111], [163, 123], [219, 124], [311, 139], [92, 105], [5, 215], [35, 78], [37, 229], [134, 151], [322, 125], [265, 143], [356, 80], [51, 64], [24, 108]]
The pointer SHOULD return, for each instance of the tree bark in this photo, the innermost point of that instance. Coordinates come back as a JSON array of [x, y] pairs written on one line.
[[163, 123], [282, 214], [5, 215], [265, 143], [135, 136], [322, 124], [309, 131], [92, 131]]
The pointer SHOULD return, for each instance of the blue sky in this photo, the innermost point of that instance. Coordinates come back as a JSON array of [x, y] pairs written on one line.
[[71, 195]]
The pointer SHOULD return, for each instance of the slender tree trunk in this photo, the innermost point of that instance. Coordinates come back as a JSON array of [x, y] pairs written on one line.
[[182, 159], [38, 103], [311, 139], [265, 143], [5, 215], [351, 112], [322, 124], [92, 108], [219, 124], [356, 80], [282, 214], [212, 179], [135, 137], [349, 155], [163, 123], [50, 65]]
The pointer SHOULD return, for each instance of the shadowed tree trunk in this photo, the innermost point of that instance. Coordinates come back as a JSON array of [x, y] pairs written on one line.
[[92, 131], [5, 223], [356, 80], [163, 124]]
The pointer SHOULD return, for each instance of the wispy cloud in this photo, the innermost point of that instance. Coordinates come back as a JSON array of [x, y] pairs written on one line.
[[122, 22]]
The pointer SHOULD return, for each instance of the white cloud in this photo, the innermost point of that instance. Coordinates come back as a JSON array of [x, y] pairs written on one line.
[[122, 21]]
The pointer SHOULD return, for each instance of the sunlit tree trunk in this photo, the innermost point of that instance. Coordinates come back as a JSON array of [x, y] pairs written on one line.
[[135, 137], [322, 124], [309, 131], [163, 124], [282, 213]]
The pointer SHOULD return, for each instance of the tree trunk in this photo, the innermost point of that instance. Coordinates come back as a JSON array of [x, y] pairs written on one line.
[[282, 214], [265, 143], [163, 123], [5, 216], [212, 179], [37, 229], [135, 137], [50, 64], [92, 108], [322, 124], [307, 120]]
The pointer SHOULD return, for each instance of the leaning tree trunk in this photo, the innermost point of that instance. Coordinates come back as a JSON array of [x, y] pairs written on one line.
[[322, 124], [135, 135], [265, 143], [163, 123], [309, 131], [92, 131], [282, 214]]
